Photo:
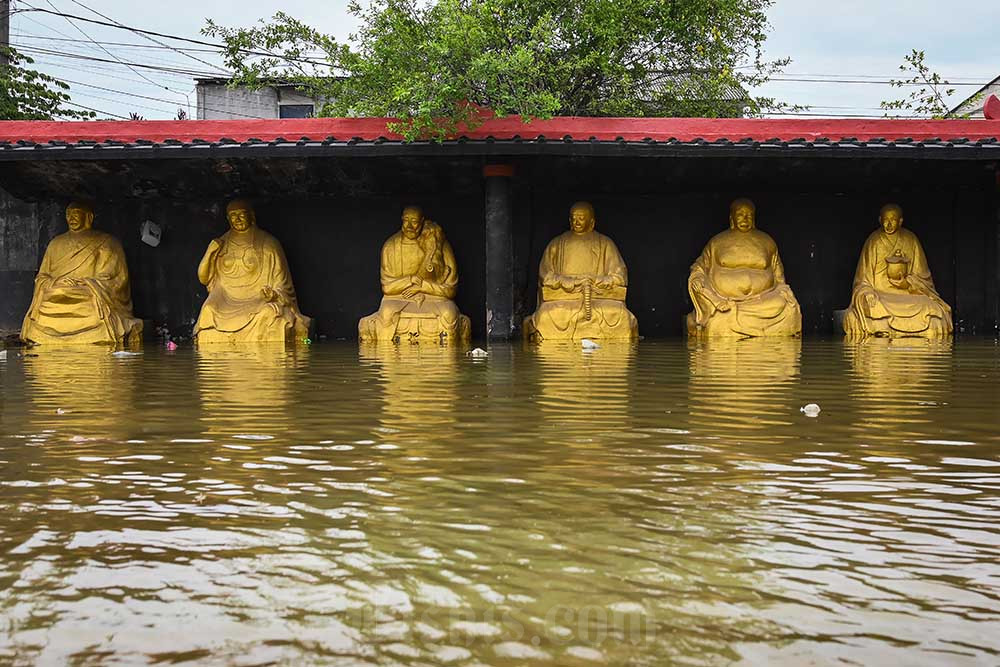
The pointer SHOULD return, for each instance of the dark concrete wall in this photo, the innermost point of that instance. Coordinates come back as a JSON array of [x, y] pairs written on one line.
[[333, 218], [25, 230]]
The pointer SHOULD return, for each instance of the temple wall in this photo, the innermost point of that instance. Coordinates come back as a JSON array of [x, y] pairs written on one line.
[[659, 214], [25, 230]]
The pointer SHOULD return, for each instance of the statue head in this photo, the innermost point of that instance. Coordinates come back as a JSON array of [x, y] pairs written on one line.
[[240, 215], [413, 222], [581, 217], [79, 216], [891, 218], [742, 215]]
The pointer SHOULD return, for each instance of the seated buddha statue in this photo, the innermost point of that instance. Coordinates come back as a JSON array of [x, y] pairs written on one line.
[[250, 292], [738, 285], [82, 293], [582, 281], [419, 280], [894, 294]]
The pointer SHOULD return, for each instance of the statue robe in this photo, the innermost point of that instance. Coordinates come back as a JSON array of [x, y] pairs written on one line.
[[918, 311], [745, 270], [561, 313], [236, 309], [431, 313], [98, 309]]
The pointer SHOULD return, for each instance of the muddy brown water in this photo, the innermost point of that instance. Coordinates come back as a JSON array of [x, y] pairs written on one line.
[[665, 503]]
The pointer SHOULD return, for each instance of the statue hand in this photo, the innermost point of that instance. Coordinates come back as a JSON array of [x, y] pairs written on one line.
[[268, 293], [605, 282], [724, 306], [871, 300]]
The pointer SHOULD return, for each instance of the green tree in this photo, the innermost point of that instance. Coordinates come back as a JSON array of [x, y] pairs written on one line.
[[930, 97], [436, 65], [29, 95]]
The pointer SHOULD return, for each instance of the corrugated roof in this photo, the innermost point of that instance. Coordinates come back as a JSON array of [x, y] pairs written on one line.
[[53, 140]]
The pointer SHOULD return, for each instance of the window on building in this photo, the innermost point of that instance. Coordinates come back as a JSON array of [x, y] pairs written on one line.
[[295, 111]]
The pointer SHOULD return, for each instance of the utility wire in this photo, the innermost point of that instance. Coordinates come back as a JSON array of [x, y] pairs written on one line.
[[82, 32], [200, 42], [129, 104], [879, 81], [159, 68], [106, 71], [155, 41], [184, 49], [107, 113], [158, 99]]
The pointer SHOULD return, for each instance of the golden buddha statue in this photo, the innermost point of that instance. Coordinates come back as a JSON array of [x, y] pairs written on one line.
[[738, 285], [250, 292], [82, 293], [419, 280], [582, 281], [894, 294]]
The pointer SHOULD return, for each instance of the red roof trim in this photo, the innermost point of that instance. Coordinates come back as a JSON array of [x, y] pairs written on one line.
[[602, 129]]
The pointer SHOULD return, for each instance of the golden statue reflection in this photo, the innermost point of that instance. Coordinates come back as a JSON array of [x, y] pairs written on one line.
[[420, 393], [742, 389], [82, 394], [82, 294], [582, 280], [738, 285], [419, 281], [247, 390], [250, 293], [584, 395], [894, 293], [897, 383]]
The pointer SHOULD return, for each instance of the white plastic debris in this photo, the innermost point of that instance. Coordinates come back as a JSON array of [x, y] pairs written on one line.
[[3, 355], [479, 353], [125, 353], [810, 410], [589, 344]]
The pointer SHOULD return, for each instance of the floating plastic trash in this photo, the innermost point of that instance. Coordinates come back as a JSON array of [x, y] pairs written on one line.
[[589, 344], [125, 353], [479, 353], [171, 345], [810, 410]]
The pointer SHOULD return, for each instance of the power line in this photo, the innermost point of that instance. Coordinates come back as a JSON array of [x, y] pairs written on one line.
[[129, 104], [879, 81], [106, 113], [156, 99], [121, 44], [106, 71], [200, 42], [82, 32], [108, 18], [79, 56]]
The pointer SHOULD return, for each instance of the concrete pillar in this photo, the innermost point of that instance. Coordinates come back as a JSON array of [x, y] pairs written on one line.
[[499, 252]]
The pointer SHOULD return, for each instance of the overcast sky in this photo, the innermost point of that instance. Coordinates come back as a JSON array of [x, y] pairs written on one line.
[[842, 39]]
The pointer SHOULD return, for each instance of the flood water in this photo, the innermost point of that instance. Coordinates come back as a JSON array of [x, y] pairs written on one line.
[[665, 503]]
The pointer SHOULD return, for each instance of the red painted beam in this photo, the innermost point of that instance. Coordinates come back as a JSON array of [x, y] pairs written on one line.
[[605, 129]]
